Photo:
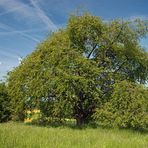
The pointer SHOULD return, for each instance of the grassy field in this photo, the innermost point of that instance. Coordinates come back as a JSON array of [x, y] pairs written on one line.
[[19, 135]]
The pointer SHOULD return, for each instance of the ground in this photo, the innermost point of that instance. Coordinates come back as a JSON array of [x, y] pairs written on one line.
[[20, 135]]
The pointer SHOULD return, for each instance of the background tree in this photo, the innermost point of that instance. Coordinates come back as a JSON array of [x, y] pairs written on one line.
[[72, 72], [5, 108]]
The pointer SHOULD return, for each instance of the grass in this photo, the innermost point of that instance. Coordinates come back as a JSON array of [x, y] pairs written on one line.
[[19, 135]]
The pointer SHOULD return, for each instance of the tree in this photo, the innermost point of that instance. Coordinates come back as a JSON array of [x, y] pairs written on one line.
[[127, 108], [5, 111], [72, 72]]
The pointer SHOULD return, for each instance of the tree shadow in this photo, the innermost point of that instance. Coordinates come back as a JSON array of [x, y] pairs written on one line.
[[70, 125], [92, 125], [143, 131]]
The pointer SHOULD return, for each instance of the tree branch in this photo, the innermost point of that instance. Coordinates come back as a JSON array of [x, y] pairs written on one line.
[[118, 34], [119, 67], [92, 51]]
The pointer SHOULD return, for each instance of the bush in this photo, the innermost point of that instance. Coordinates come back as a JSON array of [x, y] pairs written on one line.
[[127, 108], [48, 121], [4, 104]]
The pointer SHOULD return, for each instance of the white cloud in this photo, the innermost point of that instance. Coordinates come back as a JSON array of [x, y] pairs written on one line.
[[43, 16], [9, 60], [30, 18], [8, 28], [20, 59], [8, 53], [9, 8], [26, 12], [7, 65], [18, 7], [21, 31], [142, 17]]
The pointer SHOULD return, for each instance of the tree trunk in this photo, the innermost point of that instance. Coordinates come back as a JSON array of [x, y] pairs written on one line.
[[79, 121]]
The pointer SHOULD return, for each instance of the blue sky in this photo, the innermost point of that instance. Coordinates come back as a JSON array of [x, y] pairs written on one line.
[[25, 23]]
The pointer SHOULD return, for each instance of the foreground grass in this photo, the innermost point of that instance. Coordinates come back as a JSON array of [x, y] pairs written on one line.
[[17, 135]]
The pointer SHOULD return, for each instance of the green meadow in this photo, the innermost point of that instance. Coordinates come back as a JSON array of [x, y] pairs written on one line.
[[20, 135]]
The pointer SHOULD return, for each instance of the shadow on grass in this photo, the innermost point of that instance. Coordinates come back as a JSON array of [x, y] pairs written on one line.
[[70, 125], [92, 125], [134, 130]]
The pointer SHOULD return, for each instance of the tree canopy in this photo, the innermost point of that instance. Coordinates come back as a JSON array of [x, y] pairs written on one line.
[[72, 72]]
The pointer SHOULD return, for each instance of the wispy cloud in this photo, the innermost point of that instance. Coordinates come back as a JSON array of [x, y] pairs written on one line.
[[27, 11], [22, 31], [8, 28], [43, 16], [17, 7], [8, 53], [20, 60], [8, 60], [142, 17], [7, 65], [9, 8]]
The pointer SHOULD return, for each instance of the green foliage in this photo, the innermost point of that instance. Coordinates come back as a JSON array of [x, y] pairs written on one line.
[[72, 72], [5, 110], [127, 108], [84, 32]]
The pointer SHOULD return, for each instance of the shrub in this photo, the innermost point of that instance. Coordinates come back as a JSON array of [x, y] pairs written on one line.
[[4, 104], [127, 108]]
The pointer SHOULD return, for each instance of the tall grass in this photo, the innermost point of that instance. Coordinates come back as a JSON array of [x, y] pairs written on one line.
[[18, 135]]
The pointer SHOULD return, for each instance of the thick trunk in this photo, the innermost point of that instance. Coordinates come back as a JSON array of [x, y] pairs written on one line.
[[83, 116], [80, 121], [82, 113]]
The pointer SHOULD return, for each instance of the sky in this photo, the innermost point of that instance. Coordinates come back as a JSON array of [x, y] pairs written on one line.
[[25, 23]]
